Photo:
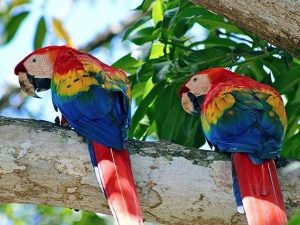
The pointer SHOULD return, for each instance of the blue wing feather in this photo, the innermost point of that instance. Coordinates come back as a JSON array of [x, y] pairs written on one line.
[[97, 115], [247, 127]]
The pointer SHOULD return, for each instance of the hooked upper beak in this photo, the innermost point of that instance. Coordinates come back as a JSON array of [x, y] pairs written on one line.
[[30, 84], [192, 103]]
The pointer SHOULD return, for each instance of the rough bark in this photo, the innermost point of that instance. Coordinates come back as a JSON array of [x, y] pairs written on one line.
[[276, 21], [42, 163]]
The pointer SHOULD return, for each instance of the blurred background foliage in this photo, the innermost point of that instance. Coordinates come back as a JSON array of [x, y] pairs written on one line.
[[165, 42]]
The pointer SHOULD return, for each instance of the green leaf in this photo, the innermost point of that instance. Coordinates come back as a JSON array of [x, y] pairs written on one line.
[[145, 72], [142, 53], [216, 42], [142, 36], [40, 33], [291, 147], [157, 11], [13, 25], [135, 26], [143, 107], [173, 123], [157, 50], [212, 24], [145, 5], [295, 220], [288, 79], [160, 71], [170, 128], [253, 69], [191, 12], [167, 23], [128, 63]]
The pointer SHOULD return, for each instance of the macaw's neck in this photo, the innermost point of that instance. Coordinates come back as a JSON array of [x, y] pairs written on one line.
[[66, 61]]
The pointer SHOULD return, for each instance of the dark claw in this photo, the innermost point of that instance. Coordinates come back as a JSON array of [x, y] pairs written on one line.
[[281, 162], [57, 120]]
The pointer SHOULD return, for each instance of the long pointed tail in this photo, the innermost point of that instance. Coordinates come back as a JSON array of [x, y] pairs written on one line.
[[260, 191], [114, 174]]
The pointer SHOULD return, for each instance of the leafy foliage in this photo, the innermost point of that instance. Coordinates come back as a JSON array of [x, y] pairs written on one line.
[[170, 52], [44, 215]]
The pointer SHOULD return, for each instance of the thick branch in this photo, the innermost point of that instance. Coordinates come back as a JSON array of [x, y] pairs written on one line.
[[276, 21], [45, 164]]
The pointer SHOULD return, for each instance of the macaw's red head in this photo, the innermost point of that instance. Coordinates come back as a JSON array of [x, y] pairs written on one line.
[[35, 70], [194, 90]]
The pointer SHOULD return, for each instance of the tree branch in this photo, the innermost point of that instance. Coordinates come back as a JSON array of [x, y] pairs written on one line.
[[103, 38], [276, 21], [42, 163]]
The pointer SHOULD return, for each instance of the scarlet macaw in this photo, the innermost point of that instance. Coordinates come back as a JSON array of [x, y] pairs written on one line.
[[94, 99], [247, 119]]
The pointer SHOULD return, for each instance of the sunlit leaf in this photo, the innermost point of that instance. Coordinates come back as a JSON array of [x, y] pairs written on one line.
[[61, 32], [157, 50], [157, 11]]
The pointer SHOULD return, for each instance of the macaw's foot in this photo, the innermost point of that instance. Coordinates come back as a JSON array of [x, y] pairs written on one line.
[[62, 122]]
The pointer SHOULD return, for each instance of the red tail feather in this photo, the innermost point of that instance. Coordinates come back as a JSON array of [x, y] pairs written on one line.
[[118, 184], [260, 190]]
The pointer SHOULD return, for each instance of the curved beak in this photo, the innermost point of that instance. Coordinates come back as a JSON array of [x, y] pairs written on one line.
[[30, 84], [191, 103]]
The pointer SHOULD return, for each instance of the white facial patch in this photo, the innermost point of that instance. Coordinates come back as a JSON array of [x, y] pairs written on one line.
[[199, 84], [39, 66]]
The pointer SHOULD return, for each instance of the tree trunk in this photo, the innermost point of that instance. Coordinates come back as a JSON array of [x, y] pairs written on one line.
[[276, 21], [43, 163]]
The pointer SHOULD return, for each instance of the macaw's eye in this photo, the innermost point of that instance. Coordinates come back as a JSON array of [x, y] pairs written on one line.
[[195, 79], [34, 60]]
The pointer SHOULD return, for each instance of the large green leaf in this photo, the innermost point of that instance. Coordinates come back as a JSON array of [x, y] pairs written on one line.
[[213, 24], [157, 11], [295, 219], [288, 79], [160, 71], [173, 123], [145, 5], [143, 106], [40, 33], [291, 148], [13, 26], [135, 26], [142, 36], [128, 63], [167, 23]]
